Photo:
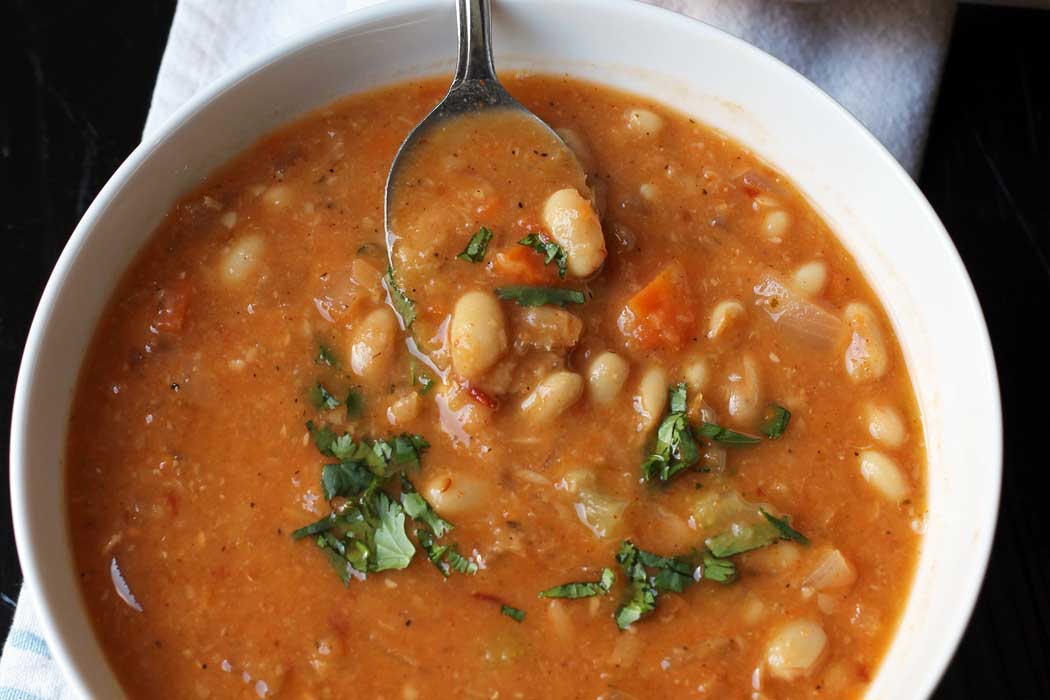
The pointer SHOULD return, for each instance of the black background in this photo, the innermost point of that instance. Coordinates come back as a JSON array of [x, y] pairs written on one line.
[[77, 80]]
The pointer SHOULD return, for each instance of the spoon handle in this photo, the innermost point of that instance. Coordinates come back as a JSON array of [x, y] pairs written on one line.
[[475, 41]]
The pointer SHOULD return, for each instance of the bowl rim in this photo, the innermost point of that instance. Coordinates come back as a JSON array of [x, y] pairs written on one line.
[[390, 11]]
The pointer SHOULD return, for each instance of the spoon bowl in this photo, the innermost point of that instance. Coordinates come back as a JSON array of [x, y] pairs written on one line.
[[478, 107]]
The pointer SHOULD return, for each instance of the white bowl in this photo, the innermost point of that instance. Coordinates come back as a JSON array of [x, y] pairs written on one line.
[[871, 203]]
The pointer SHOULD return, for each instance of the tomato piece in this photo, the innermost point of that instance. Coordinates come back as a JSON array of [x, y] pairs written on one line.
[[660, 315], [482, 397], [523, 264], [173, 307]]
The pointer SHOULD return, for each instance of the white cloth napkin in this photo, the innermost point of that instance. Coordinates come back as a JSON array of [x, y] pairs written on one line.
[[881, 59]]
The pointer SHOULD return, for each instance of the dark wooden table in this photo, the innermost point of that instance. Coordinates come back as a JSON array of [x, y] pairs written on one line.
[[78, 79]]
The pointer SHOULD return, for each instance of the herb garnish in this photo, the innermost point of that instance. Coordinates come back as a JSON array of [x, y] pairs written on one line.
[[731, 437], [775, 421], [475, 250], [425, 383], [784, 528], [551, 251], [673, 575], [321, 398], [326, 357], [404, 306], [355, 404], [584, 589], [513, 613], [675, 449], [418, 509], [540, 296]]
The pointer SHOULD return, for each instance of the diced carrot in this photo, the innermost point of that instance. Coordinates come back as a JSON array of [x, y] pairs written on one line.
[[523, 264], [660, 314], [174, 304]]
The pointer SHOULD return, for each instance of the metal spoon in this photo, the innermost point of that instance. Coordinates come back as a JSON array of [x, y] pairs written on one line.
[[475, 89]]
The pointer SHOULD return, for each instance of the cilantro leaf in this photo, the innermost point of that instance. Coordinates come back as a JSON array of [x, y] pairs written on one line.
[[315, 528], [731, 437], [435, 552], [475, 250], [393, 548], [584, 589], [355, 404], [775, 421], [404, 306], [513, 613], [675, 449], [326, 357], [784, 528], [540, 296], [716, 569], [418, 509], [460, 563], [323, 437], [642, 594], [551, 251], [425, 383], [321, 398], [345, 479]]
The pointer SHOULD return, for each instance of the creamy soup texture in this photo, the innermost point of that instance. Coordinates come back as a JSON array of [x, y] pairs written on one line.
[[647, 435]]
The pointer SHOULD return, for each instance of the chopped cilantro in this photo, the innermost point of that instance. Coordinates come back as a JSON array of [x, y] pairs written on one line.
[[540, 296], [460, 563], [435, 552], [393, 548], [551, 251], [321, 398], [731, 437], [716, 569], [404, 306], [775, 421], [583, 589], [642, 598], [513, 613], [475, 250], [784, 528], [345, 479], [315, 528], [425, 383], [326, 357], [675, 449], [418, 509], [355, 404]]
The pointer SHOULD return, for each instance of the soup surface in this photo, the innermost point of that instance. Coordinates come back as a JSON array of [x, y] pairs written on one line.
[[668, 386]]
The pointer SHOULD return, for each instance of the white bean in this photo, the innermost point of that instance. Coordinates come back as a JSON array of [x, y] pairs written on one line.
[[372, 347], [884, 475], [745, 391], [573, 223], [606, 376], [552, 396], [242, 257], [644, 121], [455, 494], [775, 225], [651, 398], [696, 375], [796, 649], [810, 279], [784, 556], [866, 358], [477, 334], [885, 425], [725, 312], [278, 195], [404, 410]]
